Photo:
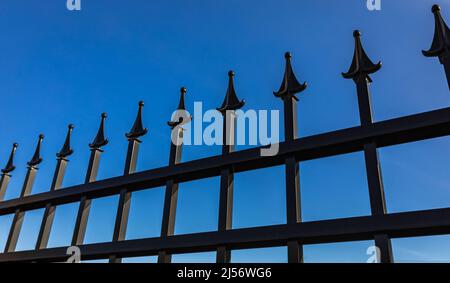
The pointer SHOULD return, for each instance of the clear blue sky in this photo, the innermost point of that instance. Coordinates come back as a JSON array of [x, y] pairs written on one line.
[[59, 67]]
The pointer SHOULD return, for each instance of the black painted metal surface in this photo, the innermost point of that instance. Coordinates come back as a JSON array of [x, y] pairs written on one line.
[[380, 226]]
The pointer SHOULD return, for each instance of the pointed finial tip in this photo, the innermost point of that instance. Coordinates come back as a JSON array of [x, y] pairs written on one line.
[[287, 55], [356, 33], [36, 159], [440, 44], [231, 73], [183, 90], [137, 130], [10, 165], [100, 139], [66, 150], [435, 8]]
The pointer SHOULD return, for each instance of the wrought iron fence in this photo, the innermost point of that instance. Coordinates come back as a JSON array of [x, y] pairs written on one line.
[[380, 226]]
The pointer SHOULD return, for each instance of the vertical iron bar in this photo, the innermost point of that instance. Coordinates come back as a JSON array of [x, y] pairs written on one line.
[[171, 195], [376, 191], [6, 176], [17, 222], [226, 184], [85, 203], [373, 170], [123, 210], [440, 47], [4, 181], [293, 205], [383, 242], [446, 63], [364, 101], [14, 231], [290, 118], [49, 213]]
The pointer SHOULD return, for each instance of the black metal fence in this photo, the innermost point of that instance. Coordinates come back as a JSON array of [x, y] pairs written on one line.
[[379, 226]]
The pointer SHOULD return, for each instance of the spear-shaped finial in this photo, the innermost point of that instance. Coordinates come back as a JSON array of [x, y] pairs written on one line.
[[66, 150], [290, 85], [231, 102], [183, 92], [100, 140], [138, 129], [181, 107], [10, 165], [441, 40], [37, 153], [361, 64]]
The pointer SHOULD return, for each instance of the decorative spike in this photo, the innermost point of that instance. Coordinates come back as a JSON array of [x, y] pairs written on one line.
[[181, 107], [441, 39], [10, 165], [231, 102], [361, 64], [290, 85], [100, 140], [37, 153], [138, 129], [66, 150]]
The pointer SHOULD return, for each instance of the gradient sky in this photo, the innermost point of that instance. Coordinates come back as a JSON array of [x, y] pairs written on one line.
[[59, 67]]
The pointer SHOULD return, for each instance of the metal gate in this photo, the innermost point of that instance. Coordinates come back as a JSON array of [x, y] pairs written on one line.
[[379, 226]]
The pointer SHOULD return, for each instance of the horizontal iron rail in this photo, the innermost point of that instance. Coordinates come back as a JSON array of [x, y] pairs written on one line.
[[395, 225], [385, 133]]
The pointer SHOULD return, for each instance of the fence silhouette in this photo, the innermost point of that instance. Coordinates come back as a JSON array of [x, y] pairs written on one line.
[[379, 226]]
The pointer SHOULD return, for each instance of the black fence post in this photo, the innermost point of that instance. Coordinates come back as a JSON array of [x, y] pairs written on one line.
[[441, 42], [289, 87], [123, 210], [17, 222], [171, 193], [6, 176], [49, 212], [359, 71], [229, 105], [91, 175]]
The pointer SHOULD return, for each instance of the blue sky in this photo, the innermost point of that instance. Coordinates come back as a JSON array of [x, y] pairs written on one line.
[[59, 67]]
